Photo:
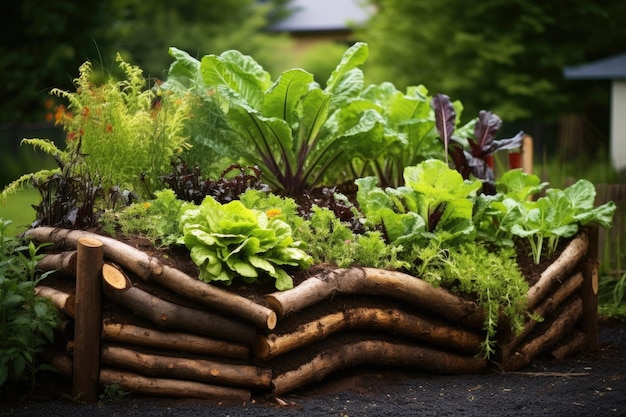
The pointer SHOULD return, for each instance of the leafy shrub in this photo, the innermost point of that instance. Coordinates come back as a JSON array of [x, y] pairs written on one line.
[[27, 322], [435, 200], [546, 220]]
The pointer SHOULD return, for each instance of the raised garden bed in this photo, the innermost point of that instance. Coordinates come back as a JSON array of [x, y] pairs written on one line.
[[268, 195], [163, 332]]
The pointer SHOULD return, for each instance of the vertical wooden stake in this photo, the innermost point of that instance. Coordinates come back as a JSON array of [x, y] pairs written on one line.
[[87, 327], [527, 154], [589, 290]]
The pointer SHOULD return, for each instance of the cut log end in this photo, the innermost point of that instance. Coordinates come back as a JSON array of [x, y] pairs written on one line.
[[90, 242], [114, 276], [272, 320]]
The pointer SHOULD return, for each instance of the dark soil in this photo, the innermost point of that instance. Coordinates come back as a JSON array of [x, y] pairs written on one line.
[[589, 384]]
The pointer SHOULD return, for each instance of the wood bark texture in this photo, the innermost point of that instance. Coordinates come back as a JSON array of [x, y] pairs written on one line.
[[172, 340], [380, 353], [161, 387], [394, 320], [378, 282], [88, 320], [556, 330], [202, 370], [169, 315], [150, 268], [198, 340]]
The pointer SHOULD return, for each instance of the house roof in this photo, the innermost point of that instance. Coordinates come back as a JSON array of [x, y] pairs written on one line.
[[612, 68], [322, 15]]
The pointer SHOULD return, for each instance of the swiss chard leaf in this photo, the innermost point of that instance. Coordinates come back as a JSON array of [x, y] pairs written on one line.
[[240, 73], [351, 59], [296, 130]]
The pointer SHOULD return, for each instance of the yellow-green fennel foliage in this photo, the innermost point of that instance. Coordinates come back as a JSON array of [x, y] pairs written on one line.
[[128, 132]]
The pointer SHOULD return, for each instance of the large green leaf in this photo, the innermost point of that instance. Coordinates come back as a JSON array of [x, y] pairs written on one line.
[[353, 57], [313, 113], [184, 72], [438, 183], [283, 98], [348, 88], [581, 194], [519, 185], [241, 73]]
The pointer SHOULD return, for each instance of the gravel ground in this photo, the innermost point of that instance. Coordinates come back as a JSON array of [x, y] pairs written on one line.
[[592, 384]]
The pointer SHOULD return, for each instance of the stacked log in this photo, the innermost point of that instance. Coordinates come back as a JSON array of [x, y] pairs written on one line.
[[166, 333]]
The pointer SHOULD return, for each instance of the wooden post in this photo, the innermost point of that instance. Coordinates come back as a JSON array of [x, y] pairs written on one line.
[[527, 154], [87, 327], [589, 290]]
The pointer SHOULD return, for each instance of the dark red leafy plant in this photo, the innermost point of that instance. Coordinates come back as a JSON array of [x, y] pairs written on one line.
[[472, 162]]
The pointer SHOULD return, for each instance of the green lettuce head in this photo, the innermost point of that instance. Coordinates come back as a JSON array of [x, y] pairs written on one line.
[[229, 240]]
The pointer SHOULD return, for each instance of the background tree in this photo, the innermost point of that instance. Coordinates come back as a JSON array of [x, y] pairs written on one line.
[[145, 30], [41, 47], [506, 56], [43, 43]]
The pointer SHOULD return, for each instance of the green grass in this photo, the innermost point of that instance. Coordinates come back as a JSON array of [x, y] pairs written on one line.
[[611, 297], [18, 209]]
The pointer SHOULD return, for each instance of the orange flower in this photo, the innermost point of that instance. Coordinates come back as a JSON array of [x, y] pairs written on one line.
[[109, 128], [273, 212], [60, 114]]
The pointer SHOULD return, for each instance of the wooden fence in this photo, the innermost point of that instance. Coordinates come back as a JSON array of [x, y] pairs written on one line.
[[612, 242]]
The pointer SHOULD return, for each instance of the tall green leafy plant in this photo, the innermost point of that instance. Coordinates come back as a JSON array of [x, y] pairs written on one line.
[[294, 130], [409, 120]]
